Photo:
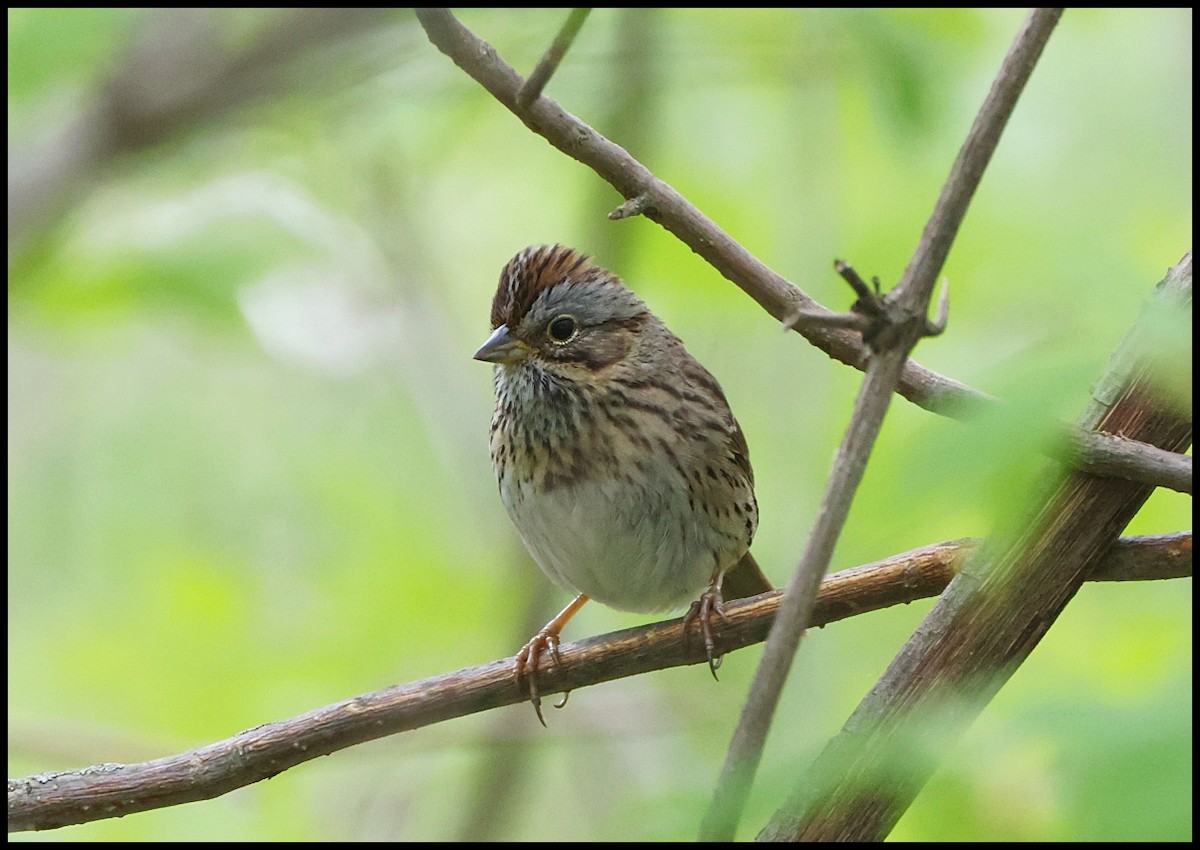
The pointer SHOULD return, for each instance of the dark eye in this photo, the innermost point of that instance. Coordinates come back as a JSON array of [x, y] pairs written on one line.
[[562, 329]]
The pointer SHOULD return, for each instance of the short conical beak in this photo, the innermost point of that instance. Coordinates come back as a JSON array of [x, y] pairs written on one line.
[[502, 347]]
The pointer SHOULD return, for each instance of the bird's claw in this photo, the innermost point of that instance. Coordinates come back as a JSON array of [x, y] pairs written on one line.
[[702, 609], [528, 664]]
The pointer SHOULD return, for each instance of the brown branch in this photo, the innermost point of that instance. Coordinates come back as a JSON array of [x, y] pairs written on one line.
[[649, 196], [51, 800], [991, 616], [1119, 457], [898, 321]]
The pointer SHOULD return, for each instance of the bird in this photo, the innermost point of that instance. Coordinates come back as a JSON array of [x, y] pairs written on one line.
[[615, 451]]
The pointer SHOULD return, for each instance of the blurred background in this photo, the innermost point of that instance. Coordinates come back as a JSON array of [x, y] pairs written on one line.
[[252, 252]]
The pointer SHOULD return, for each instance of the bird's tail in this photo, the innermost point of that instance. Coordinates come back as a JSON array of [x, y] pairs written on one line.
[[744, 579]]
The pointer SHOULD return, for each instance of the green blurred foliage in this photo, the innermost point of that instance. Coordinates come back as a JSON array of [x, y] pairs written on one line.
[[247, 444]]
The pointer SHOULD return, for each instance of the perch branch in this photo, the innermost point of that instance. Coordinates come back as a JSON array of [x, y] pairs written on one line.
[[51, 800]]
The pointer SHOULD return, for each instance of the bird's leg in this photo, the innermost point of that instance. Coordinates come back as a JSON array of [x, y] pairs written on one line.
[[527, 664], [702, 609]]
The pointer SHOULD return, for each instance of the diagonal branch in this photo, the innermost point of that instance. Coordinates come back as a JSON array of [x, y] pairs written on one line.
[[992, 615], [900, 321], [51, 800]]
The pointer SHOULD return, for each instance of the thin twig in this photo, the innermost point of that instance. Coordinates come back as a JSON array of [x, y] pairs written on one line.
[[907, 305], [1117, 457], [51, 800], [545, 69], [869, 299], [936, 326], [866, 312], [855, 321], [636, 205]]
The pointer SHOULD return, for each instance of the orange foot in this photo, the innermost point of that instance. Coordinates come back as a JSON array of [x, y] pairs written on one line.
[[528, 664], [528, 659]]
